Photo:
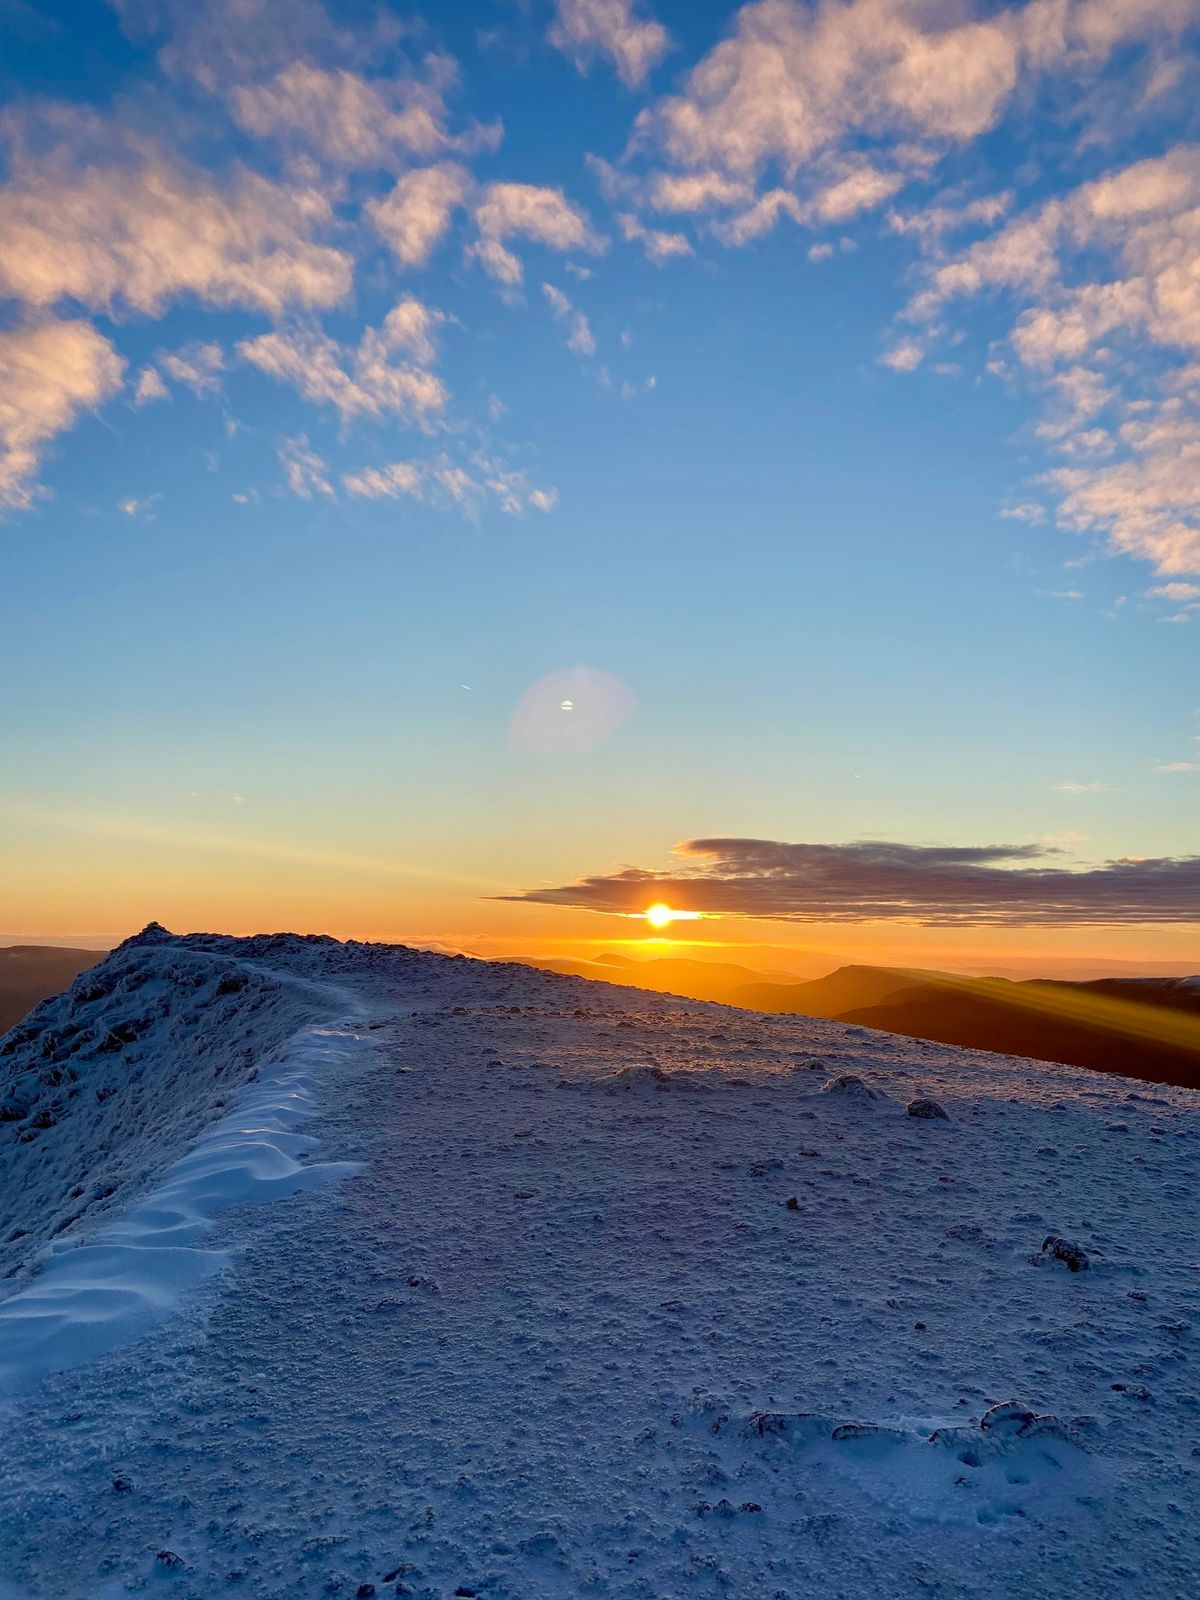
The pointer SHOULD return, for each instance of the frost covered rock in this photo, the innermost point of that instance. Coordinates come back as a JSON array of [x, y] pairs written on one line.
[[1056, 1248], [639, 1080], [849, 1086], [927, 1110], [1008, 1413]]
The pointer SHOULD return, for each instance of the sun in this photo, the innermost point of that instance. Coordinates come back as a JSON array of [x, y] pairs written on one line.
[[661, 916]]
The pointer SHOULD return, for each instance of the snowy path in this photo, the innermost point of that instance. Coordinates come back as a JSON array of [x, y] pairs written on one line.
[[564, 1336]]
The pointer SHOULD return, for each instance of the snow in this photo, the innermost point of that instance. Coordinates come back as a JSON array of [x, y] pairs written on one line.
[[618, 1302], [91, 1296]]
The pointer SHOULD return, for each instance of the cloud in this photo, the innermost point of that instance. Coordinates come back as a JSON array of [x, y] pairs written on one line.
[[133, 506], [658, 244], [372, 379], [1178, 766], [905, 357], [49, 373], [1107, 328], [1071, 787], [949, 886], [414, 216], [1029, 511], [581, 339], [1177, 591], [585, 29], [354, 122], [306, 473], [1148, 503], [445, 485], [142, 230], [149, 387], [526, 211], [860, 188], [796, 88], [697, 191], [216, 43], [197, 365]]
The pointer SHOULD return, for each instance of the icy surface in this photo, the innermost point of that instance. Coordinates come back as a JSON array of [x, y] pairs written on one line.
[[620, 1303]]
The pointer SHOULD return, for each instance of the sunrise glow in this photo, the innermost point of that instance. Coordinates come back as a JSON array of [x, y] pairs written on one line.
[[662, 916]]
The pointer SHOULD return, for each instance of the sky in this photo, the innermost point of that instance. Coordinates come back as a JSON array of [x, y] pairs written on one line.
[[469, 473]]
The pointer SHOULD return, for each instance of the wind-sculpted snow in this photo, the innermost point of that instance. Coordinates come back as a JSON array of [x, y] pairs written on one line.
[[88, 1298], [101, 1087], [627, 1299]]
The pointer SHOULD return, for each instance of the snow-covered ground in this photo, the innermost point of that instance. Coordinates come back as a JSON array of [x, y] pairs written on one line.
[[621, 1296]]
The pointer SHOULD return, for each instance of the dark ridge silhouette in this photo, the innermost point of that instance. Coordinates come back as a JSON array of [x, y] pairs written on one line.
[[31, 973]]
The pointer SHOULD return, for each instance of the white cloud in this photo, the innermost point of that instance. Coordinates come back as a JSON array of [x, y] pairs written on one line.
[[216, 43], [149, 387], [1029, 512], [148, 228], [49, 373], [196, 365], [392, 482], [1175, 767], [580, 339], [585, 29], [860, 190], [697, 191], [371, 379], [658, 244], [1106, 268], [1148, 503], [1082, 788], [796, 86], [306, 473], [445, 485], [415, 215], [526, 211], [1177, 592], [134, 506], [906, 357], [352, 121]]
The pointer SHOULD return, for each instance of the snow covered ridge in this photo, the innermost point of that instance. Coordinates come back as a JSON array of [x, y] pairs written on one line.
[[90, 1298], [103, 1086]]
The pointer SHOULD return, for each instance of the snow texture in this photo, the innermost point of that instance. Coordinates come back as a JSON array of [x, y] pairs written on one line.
[[91, 1296], [619, 1302]]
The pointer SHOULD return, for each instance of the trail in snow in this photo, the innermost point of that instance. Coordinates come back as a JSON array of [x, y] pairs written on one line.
[[626, 1299]]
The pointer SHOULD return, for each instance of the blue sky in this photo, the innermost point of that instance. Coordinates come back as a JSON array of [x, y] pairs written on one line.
[[822, 379]]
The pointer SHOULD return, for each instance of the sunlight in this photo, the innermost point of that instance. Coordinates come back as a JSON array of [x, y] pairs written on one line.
[[662, 916]]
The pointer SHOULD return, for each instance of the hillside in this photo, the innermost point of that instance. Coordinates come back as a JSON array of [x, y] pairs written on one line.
[[1147, 1028], [421, 1275]]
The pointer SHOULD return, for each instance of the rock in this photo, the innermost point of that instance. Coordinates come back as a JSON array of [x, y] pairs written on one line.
[[927, 1110], [866, 1430], [168, 1558], [851, 1087], [793, 1202], [1060, 1249], [364, 1591], [1007, 1412], [123, 1485]]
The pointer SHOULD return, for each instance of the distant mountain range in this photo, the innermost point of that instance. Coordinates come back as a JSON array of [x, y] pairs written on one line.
[[30, 973], [1143, 1027]]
